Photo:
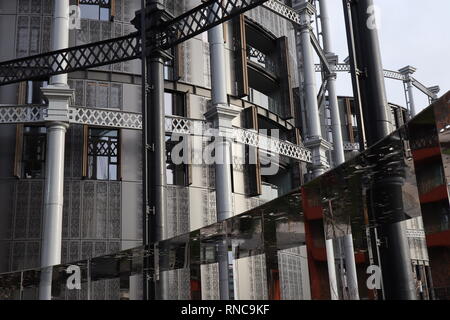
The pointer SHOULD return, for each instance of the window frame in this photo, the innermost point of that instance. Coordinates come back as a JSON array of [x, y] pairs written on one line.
[[182, 97], [85, 165], [20, 164], [111, 6], [248, 71]]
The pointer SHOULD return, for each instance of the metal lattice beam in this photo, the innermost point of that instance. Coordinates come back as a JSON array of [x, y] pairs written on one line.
[[101, 3], [186, 126], [200, 19], [424, 89], [394, 75], [22, 114], [273, 145], [167, 35], [291, 15], [283, 10], [389, 74], [105, 118], [193, 127], [348, 146], [76, 115], [340, 67], [71, 59], [316, 45], [133, 121]]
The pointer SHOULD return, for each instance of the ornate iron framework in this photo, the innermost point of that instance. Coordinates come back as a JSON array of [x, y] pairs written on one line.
[[106, 118], [274, 145], [348, 146], [283, 10], [71, 59], [101, 3], [193, 127], [77, 115], [389, 74], [261, 58], [196, 21], [164, 36], [186, 126], [22, 114], [133, 121]]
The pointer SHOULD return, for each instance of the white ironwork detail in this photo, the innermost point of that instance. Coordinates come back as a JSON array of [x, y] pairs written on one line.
[[395, 75], [340, 67], [271, 144], [198, 127], [389, 74], [283, 10], [351, 146], [186, 126], [411, 233], [129, 120], [105, 118], [22, 114]]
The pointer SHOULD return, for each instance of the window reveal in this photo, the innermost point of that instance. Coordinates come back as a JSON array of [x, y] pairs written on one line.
[[33, 152], [103, 154]]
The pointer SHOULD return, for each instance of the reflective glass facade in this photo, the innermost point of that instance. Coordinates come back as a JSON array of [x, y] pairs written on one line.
[[278, 249]]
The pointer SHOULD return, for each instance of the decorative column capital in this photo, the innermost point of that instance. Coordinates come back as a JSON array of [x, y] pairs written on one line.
[[58, 102], [333, 61], [306, 10], [319, 148], [222, 115], [407, 72], [332, 58], [435, 89]]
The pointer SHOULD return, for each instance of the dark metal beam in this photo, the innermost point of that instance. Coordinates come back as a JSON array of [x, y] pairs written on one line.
[[194, 22], [162, 37], [385, 194], [90, 55]]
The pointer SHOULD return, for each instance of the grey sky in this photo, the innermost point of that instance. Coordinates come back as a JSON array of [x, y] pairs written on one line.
[[413, 32]]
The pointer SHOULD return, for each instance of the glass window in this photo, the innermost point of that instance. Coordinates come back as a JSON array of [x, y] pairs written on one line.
[[34, 93], [33, 155], [103, 154], [175, 174], [174, 104], [96, 12]]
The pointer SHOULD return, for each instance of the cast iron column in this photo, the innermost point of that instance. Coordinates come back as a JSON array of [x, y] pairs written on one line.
[[314, 140], [368, 77], [407, 72], [221, 114], [339, 156], [58, 95], [155, 223]]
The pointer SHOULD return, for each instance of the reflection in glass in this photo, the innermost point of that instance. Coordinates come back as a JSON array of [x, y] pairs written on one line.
[[277, 251]]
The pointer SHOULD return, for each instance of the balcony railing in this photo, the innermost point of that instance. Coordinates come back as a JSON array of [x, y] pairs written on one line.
[[260, 58]]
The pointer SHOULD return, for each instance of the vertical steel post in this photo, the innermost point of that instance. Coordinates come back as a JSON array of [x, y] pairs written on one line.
[[223, 146], [221, 114], [407, 72], [58, 95], [314, 140], [352, 59], [350, 267], [338, 143], [148, 278], [367, 73], [154, 182]]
